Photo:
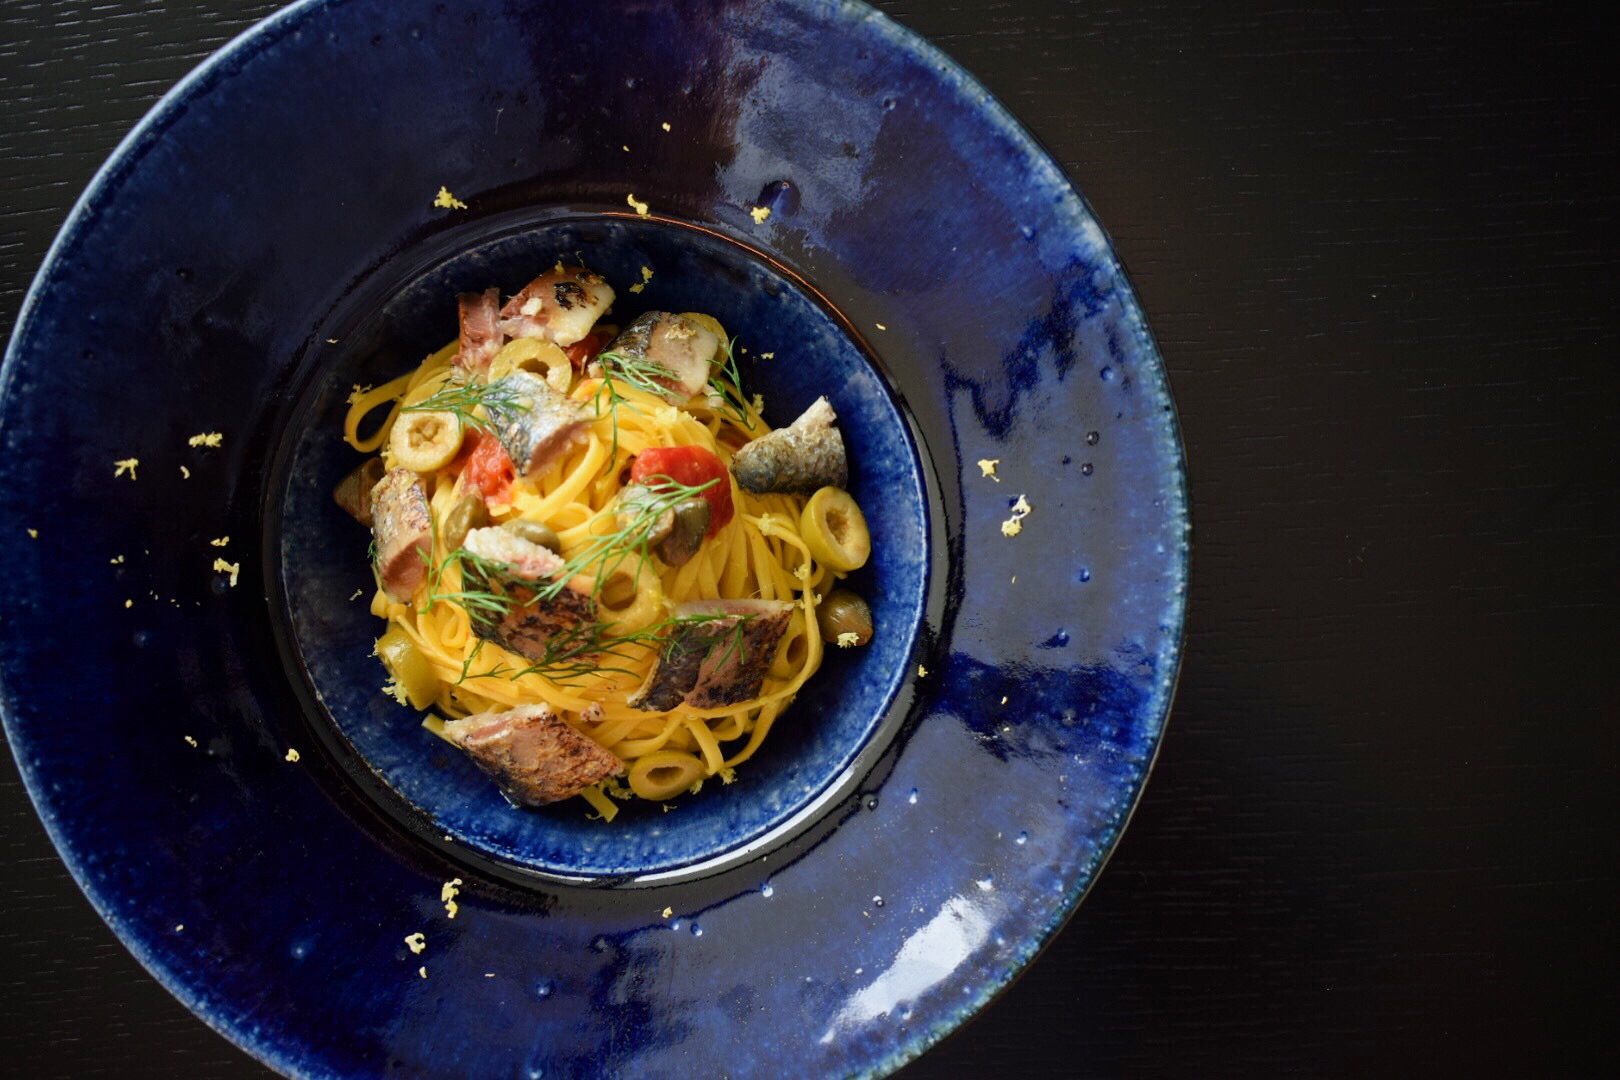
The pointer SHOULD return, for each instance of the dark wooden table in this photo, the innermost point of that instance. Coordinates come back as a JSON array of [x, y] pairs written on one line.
[[1380, 252]]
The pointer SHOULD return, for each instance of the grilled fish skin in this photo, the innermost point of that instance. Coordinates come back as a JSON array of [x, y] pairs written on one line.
[[560, 306], [535, 424], [719, 658], [534, 755], [531, 622], [675, 343], [403, 528], [799, 459]]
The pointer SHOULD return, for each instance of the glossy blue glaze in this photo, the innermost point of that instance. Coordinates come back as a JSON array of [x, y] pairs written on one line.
[[287, 186]]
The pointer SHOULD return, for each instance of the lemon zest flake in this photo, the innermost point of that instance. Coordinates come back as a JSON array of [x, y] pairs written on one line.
[[206, 438], [639, 207], [231, 568], [126, 467], [759, 214], [446, 201]]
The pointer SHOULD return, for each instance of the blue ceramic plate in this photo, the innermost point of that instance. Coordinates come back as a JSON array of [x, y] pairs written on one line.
[[922, 819]]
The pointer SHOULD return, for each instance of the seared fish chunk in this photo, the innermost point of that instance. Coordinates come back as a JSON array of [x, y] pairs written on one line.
[[560, 305], [535, 424], [533, 754], [717, 655], [683, 348], [801, 458], [532, 621], [403, 529], [481, 336]]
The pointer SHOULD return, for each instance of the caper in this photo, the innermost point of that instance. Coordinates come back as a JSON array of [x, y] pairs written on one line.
[[842, 612], [467, 514], [534, 533], [688, 527]]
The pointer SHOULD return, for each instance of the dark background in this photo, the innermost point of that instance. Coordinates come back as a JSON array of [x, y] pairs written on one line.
[[1379, 250]]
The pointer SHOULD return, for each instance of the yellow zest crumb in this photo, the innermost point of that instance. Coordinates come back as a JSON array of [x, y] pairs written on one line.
[[646, 276], [759, 214], [219, 541], [422, 971], [190, 741], [223, 567], [1004, 700], [665, 125], [626, 149], [848, 639], [987, 467], [394, 690], [129, 603], [185, 473], [292, 755], [446, 201], [116, 560], [668, 912], [639, 207], [922, 672], [179, 927], [357, 594], [767, 356], [416, 942], [447, 893], [1015, 524], [126, 466], [33, 534], [489, 974], [355, 394], [880, 326], [207, 438]]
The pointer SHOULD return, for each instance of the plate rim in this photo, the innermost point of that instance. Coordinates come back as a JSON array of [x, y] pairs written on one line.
[[283, 1056]]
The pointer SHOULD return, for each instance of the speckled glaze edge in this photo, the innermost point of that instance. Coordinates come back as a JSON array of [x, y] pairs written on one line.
[[1045, 172], [146, 131]]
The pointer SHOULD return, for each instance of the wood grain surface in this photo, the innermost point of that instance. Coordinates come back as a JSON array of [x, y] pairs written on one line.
[[1379, 250]]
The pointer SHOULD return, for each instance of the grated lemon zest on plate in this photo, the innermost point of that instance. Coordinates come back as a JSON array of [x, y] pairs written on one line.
[[206, 438], [231, 568], [219, 541], [639, 207], [446, 201], [759, 214], [292, 755], [126, 467], [447, 894], [416, 942], [987, 467]]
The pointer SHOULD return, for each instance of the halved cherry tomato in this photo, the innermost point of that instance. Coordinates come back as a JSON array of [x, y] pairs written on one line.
[[487, 467], [690, 465], [583, 351]]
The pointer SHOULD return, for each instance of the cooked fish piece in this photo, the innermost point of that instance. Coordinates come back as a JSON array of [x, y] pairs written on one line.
[[718, 657], [675, 672], [535, 424], [560, 305], [735, 668], [801, 458], [353, 492], [682, 347], [403, 529], [481, 336], [531, 621], [535, 755]]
